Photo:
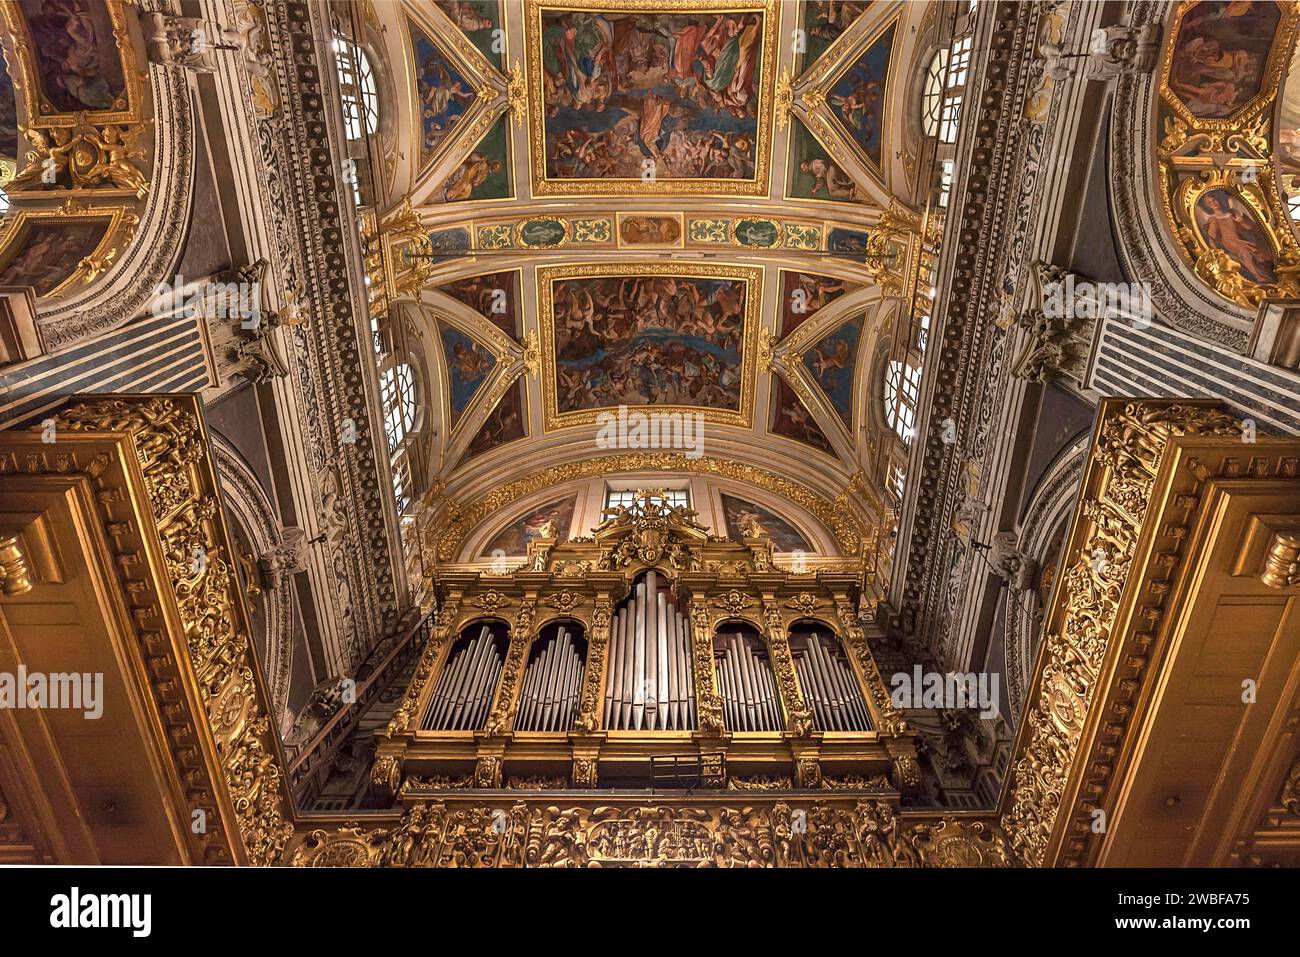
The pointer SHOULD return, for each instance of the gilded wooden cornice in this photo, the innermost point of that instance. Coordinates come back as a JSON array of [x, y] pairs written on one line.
[[1152, 464], [148, 461], [981, 277], [331, 372]]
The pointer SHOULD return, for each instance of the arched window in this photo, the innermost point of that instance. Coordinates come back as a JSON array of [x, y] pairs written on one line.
[[357, 88], [932, 96], [945, 84], [901, 396], [397, 394]]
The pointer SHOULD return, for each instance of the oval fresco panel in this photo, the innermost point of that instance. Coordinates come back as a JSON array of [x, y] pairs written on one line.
[[1229, 225]]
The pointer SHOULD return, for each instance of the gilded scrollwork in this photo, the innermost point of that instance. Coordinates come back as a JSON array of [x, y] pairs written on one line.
[[593, 677], [1131, 442], [799, 717]]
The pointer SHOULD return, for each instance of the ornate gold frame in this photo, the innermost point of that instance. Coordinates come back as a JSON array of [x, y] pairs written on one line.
[[121, 221], [1269, 79], [544, 186], [26, 84], [553, 419]]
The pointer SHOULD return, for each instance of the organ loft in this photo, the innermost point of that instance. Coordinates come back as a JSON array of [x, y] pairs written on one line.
[[649, 433]]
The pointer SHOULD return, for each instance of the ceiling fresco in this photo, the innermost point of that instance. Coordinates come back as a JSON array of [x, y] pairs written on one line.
[[803, 295], [1222, 49], [78, 63], [75, 113], [494, 296], [740, 514], [668, 98], [444, 94], [832, 362], [468, 364], [824, 22], [666, 205], [857, 98], [677, 338]]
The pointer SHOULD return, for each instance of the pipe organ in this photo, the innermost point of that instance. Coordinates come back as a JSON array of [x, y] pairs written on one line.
[[552, 684], [828, 682], [464, 691], [649, 644], [745, 681], [650, 684]]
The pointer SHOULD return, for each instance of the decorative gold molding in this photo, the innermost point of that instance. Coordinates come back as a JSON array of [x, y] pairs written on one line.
[[157, 499], [457, 521], [1059, 777]]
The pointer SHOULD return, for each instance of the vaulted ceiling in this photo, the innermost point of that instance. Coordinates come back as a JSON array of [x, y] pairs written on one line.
[[675, 207]]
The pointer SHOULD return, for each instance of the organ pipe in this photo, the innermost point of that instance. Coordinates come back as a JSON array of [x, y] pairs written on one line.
[[464, 691], [746, 684], [649, 685], [829, 685], [548, 700]]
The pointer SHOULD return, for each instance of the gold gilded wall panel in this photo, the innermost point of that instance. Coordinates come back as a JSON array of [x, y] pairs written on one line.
[[1167, 494], [151, 489]]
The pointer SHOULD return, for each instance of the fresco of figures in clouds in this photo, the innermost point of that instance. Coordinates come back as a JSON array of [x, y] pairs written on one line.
[[50, 253], [1288, 130], [494, 296], [804, 294], [78, 64], [468, 364], [858, 97], [672, 93], [832, 362], [790, 419], [505, 423], [514, 538], [648, 340], [444, 94], [739, 513], [1220, 55]]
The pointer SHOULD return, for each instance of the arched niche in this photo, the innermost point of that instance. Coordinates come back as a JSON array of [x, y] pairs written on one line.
[[550, 693]]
